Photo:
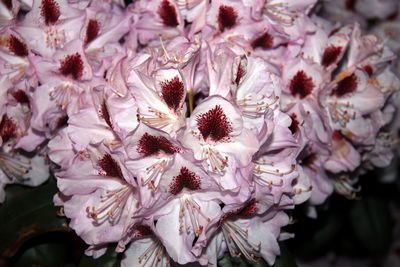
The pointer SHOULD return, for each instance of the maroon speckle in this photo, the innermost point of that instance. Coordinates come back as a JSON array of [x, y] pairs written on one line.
[[92, 30], [105, 114], [50, 11], [330, 56], [227, 17], [20, 96], [239, 75], [294, 126], [8, 4], [351, 4], [72, 65], [301, 84], [17, 46], [8, 128], [346, 86], [172, 92], [62, 122], [186, 179], [214, 124], [265, 41], [167, 13], [368, 69], [110, 166], [337, 136], [150, 145], [249, 209]]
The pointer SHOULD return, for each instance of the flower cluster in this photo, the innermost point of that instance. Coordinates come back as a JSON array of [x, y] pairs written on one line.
[[185, 129]]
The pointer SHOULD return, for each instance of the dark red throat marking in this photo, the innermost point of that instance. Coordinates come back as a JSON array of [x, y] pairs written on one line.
[[92, 30], [18, 47], [8, 4], [294, 126], [142, 230], [331, 55], [239, 75], [172, 92], [110, 166], [186, 179], [72, 65], [265, 41], [337, 136], [301, 85], [62, 122], [50, 11], [309, 160], [368, 69], [214, 124], [150, 145], [168, 14], [8, 128], [227, 17], [20, 96], [105, 114], [351, 4], [346, 86], [249, 209]]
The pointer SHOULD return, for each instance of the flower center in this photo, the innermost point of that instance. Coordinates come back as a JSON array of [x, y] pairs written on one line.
[[72, 65], [301, 85], [168, 14], [150, 145], [186, 179], [330, 55], [105, 114], [8, 4], [92, 30], [346, 86], [172, 92], [8, 128], [214, 124], [20, 96], [109, 166], [17, 46], [50, 11], [294, 126], [264, 41], [227, 17]]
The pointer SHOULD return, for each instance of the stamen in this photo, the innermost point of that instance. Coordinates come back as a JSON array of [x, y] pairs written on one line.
[[238, 242], [254, 108], [155, 118], [153, 174], [281, 13], [154, 255], [111, 207], [55, 38], [265, 171], [344, 186], [192, 209], [62, 94], [14, 166], [215, 160]]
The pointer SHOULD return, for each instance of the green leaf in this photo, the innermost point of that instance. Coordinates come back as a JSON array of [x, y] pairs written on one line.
[[372, 225], [285, 259], [27, 214], [109, 259], [46, 255]]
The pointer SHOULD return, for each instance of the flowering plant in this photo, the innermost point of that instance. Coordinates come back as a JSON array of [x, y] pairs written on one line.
[[181, 130]]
